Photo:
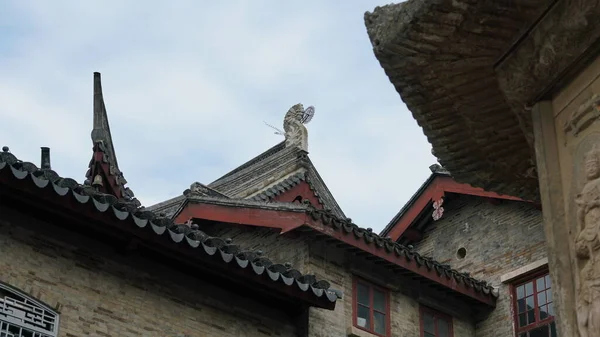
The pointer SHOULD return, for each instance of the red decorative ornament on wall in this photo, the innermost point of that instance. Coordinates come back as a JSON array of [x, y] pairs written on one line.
[[438, 210]]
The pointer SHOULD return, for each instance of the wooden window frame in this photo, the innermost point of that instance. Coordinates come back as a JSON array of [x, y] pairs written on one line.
[[529, 277], [436, 314], [386, 292]]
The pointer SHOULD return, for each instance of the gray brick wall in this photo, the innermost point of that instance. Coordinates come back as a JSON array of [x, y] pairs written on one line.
[[278, 248], [498, 238], [101, 297], [335, 268]]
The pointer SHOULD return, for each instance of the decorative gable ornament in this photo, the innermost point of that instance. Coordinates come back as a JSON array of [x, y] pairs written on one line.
[[438, 210], [294, 130]]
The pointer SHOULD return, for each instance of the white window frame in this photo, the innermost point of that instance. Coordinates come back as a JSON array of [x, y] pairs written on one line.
[[23, 316]]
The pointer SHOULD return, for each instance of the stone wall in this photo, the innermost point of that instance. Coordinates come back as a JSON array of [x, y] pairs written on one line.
[[498, 238], [102, 296]]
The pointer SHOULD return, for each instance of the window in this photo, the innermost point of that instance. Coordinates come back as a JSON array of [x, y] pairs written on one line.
[[435, 324], [21, 316], [371, 306], [534, 308]]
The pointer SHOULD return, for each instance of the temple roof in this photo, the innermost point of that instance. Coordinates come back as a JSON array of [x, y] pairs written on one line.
[[441, 55], [271, 173], [422, 209], [26, 182], [343, 234], [266, 176]]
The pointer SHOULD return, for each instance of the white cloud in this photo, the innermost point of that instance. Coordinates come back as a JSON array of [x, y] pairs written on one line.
[[187, 85]]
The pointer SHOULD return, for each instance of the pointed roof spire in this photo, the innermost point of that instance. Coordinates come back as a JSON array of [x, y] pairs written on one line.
[[101, 130], [103, 172]]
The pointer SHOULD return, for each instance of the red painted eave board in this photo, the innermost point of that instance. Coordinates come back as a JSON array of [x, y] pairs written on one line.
[[283, 220], [438, 187]]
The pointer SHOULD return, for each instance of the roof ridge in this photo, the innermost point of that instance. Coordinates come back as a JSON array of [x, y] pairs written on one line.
[[142, 218], [274, 149]]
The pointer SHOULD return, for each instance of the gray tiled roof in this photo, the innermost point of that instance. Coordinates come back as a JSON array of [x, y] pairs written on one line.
[[272, 171], [67, 190]]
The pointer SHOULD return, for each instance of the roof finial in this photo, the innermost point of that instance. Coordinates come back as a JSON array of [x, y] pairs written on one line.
[[103, 170], [101, 130], [45, 162], [296, 133]]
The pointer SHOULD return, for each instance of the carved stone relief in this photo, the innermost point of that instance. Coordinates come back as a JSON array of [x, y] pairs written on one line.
[[586, 234], [583, 117]]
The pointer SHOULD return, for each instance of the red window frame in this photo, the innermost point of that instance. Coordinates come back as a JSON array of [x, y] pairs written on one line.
[[536, 294], [371, 287], [436, 315]]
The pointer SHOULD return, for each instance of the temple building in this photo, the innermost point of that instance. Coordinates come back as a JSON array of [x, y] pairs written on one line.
[[88, 260], [263, 251], [507, 93], [493, 237]]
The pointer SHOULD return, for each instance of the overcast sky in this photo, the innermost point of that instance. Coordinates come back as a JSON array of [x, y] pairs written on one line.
[[188, 84]]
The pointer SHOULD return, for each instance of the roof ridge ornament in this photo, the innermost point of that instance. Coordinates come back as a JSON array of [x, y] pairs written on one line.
[[103, 171], [296, 134]]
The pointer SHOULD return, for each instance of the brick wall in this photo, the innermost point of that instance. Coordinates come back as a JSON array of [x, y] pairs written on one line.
[[498, 239], [279, 248], [102, 296], [404, 310], [333, 265]]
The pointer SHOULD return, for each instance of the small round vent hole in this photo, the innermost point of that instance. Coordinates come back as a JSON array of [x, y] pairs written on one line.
[[461, 253]]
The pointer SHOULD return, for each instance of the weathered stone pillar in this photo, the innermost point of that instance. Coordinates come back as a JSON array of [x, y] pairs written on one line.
[[567, 143], [555, 222]]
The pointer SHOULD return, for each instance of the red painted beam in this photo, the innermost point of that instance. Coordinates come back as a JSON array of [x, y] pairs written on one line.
[[434, 191], [260, 217], [438, 187]]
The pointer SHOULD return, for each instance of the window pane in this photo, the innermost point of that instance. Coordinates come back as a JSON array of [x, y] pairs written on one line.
[[540, 332], [362, 294], [522, 320], [521, 305], [529, 289], [551, 309], [548, 282], [520, 292], [541, 298], [379, 323], [531, 316], [362, 317], [428, 325], [543, 312], [427, 334], [530, 302], [378, 300], [540, 284], [553, 329], [443, 328], [549, 295]]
